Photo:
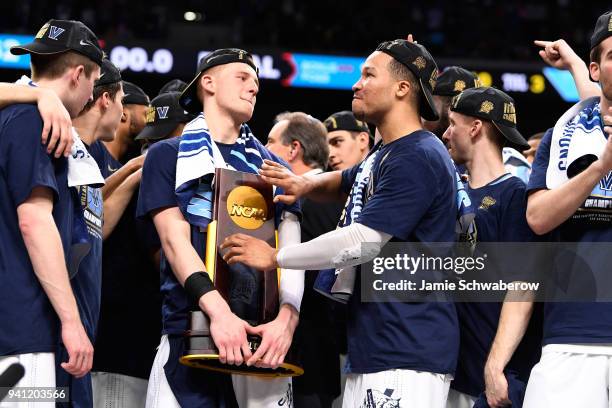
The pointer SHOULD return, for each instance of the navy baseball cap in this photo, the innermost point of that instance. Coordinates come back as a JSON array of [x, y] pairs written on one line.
[[189, 97], [109, 74], [133, 94], [419, 61], [603, 29], [163, 116], [495, 106], [58, 36], [454, 80], [345, 120]]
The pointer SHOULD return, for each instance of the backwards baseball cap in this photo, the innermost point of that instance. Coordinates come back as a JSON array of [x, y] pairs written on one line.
[[109, 74], [454, 80], [58, 36], [420, 62], [163, 116], [133, 94], [189, 97], [495, 106], [345, 120], [603, 29]]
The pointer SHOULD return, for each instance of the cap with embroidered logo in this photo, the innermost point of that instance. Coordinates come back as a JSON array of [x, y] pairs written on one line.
[[419, 61], [454, 80], [603, 29], [495, 106], [345, 120], [164, 114], [189, 97], [58, 36]]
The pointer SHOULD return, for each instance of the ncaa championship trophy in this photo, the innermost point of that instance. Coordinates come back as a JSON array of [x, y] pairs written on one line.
[[242, 204]]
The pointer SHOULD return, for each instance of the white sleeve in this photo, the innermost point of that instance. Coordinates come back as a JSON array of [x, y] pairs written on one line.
[[292, 281], [336, 249]]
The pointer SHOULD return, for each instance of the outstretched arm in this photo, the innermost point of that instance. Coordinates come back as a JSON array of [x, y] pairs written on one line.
[[335, 249], [319, 187], [560, 55], [116, 203]]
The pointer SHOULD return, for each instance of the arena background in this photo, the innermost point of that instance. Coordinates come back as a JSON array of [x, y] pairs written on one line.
[[309, 52]]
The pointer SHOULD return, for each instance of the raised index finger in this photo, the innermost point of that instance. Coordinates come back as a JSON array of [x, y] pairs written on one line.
[[542, 43]]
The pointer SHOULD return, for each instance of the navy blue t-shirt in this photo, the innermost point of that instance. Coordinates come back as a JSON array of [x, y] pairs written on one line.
[[106, 162], [411, 196], [156, 192], [576, 322], [28, 322], [500, 217]]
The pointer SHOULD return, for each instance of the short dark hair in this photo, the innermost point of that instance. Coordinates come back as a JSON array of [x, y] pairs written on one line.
[[98, 91], [310, 133], [402, 73], [54, 65], [596, 53]]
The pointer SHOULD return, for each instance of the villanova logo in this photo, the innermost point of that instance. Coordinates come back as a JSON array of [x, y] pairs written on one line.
[[606, 182], [162, 112], [55, 32]]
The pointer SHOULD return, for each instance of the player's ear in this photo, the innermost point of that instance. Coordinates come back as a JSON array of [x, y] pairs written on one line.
[[594, 71], [106, 100], [296, 147], [75, 75], [476, 127], [207, 82], [364, 140], [403, 89]]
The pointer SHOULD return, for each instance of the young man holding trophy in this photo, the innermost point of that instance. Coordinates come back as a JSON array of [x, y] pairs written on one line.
[[182, 191], [405, 191]]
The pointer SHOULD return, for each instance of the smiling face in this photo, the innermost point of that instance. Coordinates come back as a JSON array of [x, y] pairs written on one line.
[[235, 87], [373, 94]]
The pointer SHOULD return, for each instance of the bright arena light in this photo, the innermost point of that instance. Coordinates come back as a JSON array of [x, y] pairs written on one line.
[[190, 16]]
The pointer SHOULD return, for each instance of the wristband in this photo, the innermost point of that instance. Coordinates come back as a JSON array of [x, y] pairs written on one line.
[[198, 284]]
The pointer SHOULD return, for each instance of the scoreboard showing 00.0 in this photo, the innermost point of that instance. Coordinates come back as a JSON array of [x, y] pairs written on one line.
[[136, 59]]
